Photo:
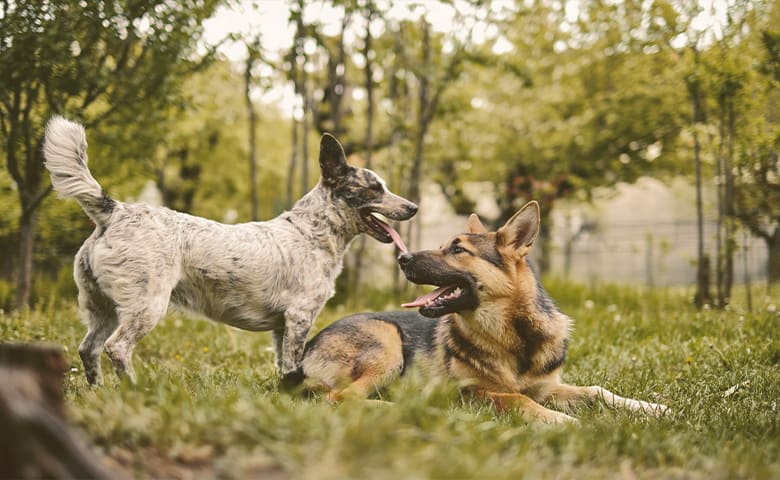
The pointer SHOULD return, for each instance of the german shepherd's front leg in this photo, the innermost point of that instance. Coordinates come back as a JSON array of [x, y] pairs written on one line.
[[564, 396], [526, 405]]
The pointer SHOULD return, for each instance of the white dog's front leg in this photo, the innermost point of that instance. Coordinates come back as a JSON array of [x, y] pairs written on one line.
[[296, 328]]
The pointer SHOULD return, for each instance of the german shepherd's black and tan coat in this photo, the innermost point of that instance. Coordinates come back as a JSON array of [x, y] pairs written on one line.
[[490, 325]]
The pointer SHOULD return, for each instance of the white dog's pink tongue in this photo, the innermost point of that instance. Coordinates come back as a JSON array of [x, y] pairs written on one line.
[[396, 238], [425, 299]]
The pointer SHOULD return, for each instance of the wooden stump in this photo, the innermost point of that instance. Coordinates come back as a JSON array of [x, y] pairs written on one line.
[[35, 441]]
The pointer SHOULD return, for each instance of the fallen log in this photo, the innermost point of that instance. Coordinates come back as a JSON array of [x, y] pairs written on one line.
[[35, 440]]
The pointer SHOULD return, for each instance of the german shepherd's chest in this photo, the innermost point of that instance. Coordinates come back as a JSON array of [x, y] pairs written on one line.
[[513, 354]]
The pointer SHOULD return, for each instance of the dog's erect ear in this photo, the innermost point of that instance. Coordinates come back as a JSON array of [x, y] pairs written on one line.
[[474, 225], [333, 161], [519, 232]]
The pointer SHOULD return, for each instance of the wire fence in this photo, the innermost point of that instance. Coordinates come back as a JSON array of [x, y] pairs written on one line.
[[655, 254]]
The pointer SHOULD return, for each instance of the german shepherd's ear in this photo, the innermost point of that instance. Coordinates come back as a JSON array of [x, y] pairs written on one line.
[[333, 161], [474, 225], [519, 232]]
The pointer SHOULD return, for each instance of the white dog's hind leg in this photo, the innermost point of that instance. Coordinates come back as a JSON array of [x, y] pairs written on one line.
[[99, 313], [135, 322]]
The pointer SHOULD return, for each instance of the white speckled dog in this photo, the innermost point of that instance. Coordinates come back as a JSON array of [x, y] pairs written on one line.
[[258, 276]]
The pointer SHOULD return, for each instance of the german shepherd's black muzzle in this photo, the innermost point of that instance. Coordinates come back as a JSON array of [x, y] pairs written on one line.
[[457, 288]]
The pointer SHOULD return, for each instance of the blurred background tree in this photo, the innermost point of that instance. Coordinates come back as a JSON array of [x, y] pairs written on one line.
[[98, 62], [542, 99]]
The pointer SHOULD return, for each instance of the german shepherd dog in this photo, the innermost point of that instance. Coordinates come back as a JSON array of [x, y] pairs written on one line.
[[274, 275], [489, 325]]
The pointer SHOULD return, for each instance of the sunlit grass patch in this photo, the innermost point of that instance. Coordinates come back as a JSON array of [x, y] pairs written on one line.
[[207, 402]]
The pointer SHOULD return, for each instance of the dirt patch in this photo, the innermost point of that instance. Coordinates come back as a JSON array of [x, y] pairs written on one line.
[[190, 463]]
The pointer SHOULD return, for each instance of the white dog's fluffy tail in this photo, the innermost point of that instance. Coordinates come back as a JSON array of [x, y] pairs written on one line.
[[65, 150]]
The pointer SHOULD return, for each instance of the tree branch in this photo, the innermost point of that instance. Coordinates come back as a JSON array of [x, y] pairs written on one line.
[[37, 199], [13, 165], [120, 66]]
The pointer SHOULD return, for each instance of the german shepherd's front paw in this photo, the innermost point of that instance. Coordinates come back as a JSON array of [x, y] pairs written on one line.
[[656, 409], [553, 417]]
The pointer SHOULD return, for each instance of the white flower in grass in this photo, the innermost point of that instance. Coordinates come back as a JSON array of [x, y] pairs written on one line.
[[589, 304]]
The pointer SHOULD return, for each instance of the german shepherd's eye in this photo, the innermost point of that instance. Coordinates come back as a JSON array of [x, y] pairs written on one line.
[[376, 187], [456, 249]]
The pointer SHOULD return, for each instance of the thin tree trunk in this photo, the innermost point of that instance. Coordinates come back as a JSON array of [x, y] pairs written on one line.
[[544, 240], [252, 134], [703, 271], [721, 207], [294, 75], [27, 175], [368, 143], [307, 107], [396, 174], [728, 278], [649, 261], [568, 247], [24, 272], [293, 161], [422, 127], [773, 260], [746, 269]]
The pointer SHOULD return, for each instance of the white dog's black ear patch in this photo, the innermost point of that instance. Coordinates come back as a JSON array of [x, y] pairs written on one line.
[[333, 161]]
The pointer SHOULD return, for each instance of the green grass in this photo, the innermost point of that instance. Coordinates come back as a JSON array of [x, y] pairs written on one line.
[[207, 403]]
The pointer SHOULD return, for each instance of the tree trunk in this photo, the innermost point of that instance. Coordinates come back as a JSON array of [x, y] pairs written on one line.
[[295, 68], [252, 134], [568, 247], [721, 206], [307, 107], [30, 192], [422, 127], [649, 260], [730, 241], [545, 229], [746, 270], [773, 263], [293, 161], [24, 271], [395, 175], [702, 296], [368, 143]]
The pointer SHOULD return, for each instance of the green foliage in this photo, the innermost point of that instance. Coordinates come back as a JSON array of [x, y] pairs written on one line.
[[6, 295], [99, 62], [599, 102], [207, 402], [212, 134], [553, 103], [94, 61]]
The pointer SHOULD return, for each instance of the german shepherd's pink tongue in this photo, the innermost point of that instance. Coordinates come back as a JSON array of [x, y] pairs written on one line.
[[395, 236], [427, 298]]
